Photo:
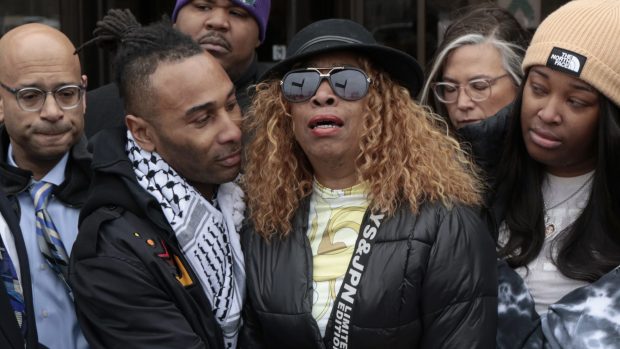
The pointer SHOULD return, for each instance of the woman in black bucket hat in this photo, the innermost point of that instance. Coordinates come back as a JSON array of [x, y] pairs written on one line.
[[344, 35], [363, 230]]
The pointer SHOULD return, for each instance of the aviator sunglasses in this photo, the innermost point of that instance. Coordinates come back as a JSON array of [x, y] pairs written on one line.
[[348, 83]]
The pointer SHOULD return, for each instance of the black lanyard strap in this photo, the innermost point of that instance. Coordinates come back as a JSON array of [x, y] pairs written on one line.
[[338, 327]]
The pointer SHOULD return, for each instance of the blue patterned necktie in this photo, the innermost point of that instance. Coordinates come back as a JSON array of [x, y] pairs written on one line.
[[13, 287], [49, 240]]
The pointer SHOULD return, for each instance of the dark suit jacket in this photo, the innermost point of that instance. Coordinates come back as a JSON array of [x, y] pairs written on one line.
[[10, 335]]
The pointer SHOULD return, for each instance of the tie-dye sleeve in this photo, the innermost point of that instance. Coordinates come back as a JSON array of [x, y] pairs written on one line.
[[588, 317], [518, 323]]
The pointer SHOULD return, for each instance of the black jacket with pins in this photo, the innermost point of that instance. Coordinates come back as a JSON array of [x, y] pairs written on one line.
[[430, 282], [133, 286]]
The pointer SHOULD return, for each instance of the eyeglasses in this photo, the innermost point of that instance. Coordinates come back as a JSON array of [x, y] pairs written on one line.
[[347, 83], [33, 98], [478, 90]]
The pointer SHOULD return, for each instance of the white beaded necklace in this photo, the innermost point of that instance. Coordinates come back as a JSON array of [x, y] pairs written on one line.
[[549, 227]]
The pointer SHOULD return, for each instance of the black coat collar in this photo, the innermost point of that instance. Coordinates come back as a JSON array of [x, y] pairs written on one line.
[[72, 191], [114, 181]]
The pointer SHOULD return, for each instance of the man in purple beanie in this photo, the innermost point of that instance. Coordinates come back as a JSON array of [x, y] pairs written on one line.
[[230, 30]]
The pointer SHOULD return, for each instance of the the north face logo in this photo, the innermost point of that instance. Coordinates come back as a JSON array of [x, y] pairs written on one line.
[[566, 61]]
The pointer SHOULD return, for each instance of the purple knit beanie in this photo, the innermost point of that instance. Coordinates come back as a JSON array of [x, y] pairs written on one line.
[[259, 9]]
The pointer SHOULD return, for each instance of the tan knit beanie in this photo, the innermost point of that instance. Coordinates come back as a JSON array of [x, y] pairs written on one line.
[[581, 38]]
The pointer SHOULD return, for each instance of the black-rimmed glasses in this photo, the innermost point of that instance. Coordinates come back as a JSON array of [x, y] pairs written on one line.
[[478, 89], [348, 83], [33, 98]]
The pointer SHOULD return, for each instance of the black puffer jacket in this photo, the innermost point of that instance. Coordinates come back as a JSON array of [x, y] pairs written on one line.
[[430, 282], [485, 141]]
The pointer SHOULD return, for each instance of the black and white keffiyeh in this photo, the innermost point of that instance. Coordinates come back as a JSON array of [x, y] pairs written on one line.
[[208, 236]]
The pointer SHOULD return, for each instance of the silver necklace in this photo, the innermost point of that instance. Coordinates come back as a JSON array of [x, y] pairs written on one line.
[[549, 227]]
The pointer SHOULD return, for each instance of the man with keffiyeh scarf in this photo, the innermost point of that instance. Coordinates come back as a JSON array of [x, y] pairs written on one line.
[[158, 262]]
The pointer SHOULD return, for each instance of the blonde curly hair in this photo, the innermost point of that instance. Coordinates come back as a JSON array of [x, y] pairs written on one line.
[[406, 156]]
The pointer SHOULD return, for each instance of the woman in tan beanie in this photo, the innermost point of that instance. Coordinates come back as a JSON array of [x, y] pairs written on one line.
[[557, 204]]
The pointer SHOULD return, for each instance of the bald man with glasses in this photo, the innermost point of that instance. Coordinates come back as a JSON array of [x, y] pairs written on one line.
[[44, 170]]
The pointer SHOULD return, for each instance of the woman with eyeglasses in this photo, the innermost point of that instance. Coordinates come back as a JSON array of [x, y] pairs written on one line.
[[558, 195], [473, 79], [477, 66], [363, 229]]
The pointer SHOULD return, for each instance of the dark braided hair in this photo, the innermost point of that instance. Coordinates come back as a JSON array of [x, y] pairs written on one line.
[[139, 51]]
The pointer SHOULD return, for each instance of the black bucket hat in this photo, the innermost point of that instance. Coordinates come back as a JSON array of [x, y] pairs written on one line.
[[345, 35]]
